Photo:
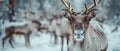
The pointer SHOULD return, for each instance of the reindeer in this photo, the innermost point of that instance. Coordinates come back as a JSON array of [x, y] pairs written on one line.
[[92, 39], [60, 27], [62, 30], [53, 26], [65, 27], [27, 29]]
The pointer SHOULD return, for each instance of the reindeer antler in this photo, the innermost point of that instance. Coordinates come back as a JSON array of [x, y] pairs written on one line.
[[68, 6], [88, 10]]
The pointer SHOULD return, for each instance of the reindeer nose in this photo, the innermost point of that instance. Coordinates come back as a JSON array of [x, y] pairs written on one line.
[[78, 36]]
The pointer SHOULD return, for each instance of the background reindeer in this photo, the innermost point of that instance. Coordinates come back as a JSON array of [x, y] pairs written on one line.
[[62, 29], [27, 29], [65, 26]]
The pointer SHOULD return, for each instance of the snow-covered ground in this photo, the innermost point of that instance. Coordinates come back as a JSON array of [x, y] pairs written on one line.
[[42, 42], [113, 39], [38, 43]]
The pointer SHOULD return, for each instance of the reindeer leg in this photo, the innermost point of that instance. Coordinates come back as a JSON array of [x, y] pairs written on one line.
[[67, 38], [50, 38], [27, 41], [55, 37], [62, 41], [55, 42], [10, 41], [3, 41], [51, 35], [72, 43], [4, 38]]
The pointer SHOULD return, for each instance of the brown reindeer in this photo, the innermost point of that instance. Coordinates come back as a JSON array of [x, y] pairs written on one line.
[[65, 27], [25, 30], [93, 39], [53, 27], [62, 30], [60, 27]]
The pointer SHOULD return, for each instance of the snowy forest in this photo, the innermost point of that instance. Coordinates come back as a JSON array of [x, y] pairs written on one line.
[[59, 25]]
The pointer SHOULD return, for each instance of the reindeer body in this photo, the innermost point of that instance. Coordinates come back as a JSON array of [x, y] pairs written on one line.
[[65, 27], [61, 28], [52, 27], [65, 30], [26, 30], [95, 40]]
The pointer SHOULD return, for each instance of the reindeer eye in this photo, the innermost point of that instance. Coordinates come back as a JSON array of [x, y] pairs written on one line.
[[82, 34], [75, 34]]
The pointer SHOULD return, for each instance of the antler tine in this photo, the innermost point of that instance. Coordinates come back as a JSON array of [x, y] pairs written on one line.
[[85, 6], [67, 5], [98, 1], [90, 8], [93, 6]]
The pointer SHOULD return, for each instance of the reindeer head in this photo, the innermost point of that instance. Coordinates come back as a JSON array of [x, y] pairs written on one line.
[[37, 24], [88, 14], [79, 21], [78, 32], [70, 14]]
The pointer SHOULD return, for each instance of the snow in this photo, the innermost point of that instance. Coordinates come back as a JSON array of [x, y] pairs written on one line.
[[9, 24], [39, 43], [113, 38], [42, 42]]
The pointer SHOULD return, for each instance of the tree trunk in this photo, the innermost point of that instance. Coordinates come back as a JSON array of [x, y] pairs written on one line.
[[11, 7]]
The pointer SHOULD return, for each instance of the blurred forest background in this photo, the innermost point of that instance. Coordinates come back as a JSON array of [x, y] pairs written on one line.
[[108, 13], [108, 9]]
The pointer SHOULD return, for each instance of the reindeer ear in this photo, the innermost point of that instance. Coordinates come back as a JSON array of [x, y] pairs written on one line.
[[91, 7], [65, 4]]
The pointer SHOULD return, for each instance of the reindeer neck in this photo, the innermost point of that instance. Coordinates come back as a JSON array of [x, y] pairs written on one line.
[[85, 24]]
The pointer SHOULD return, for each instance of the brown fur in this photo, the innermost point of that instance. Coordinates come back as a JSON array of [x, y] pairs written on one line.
[[25, 30]]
